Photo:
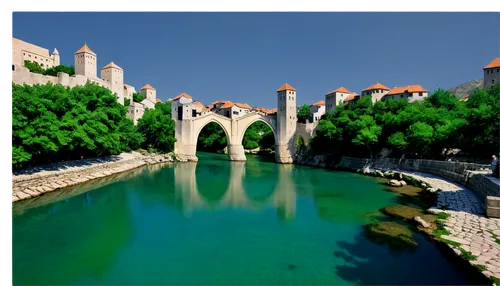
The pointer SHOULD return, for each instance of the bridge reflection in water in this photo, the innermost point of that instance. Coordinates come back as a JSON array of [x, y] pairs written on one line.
[[283, 197]]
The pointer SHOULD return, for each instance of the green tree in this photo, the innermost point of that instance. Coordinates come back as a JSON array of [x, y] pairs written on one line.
[[126, 102], [366, 132], [51, 123], [158, 128], [34, 67], [212, 138], [304, 113], [137, 97], [60, 68]]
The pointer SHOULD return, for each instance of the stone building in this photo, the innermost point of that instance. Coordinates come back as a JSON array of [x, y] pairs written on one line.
[[111, 75], [410, 92], [286, 122], [491, 73], [317, 110], [376, 92], [135, 111], [334, 98], [234, 110]]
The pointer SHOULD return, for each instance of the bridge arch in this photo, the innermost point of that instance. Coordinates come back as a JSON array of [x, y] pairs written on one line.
[[246, 121], [199, 125]]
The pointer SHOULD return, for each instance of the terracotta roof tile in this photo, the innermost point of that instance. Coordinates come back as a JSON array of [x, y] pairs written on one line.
[[322, 102], [340, 89], [147, 86], [112, 65], [219, 102], [228, 104], [197, 103], [85, 49], [377, 86], [494, 64], [158, 100], [185, 95], [351, 96], [286, 86], [243, 105], [409, 88]]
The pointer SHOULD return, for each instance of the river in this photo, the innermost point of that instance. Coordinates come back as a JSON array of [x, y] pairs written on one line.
[[217, 222]]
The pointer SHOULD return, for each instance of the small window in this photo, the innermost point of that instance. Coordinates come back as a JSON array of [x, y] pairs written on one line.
[[498, 70], [492, 81], [13, 68], [420, 94], [24, 54], [401, 95]]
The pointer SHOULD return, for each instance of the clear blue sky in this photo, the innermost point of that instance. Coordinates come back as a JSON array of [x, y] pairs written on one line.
[[245, 57]]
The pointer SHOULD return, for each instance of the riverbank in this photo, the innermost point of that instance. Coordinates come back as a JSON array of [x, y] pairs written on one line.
[[459, 212], [33, 182]]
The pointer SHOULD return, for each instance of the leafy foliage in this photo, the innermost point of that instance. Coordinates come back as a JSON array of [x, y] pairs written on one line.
[[304, 113], [53, 123], [34, 67], [126, 102], [213, 138], [421, 129], [158, 128], [137, 97]]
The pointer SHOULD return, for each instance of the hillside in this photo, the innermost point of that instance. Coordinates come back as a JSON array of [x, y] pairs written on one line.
[[465, 89]]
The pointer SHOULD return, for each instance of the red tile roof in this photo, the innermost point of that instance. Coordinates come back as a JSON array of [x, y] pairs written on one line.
[[112, 65], [286, 86], [158, 100], [147, 86], [340, 89], [197, 103], [219, 102], [351, 96], [322, 102], [85, 49], [243, 105], [494, 64], [409, 88], [377, 86], [185, 95], [228, 104]]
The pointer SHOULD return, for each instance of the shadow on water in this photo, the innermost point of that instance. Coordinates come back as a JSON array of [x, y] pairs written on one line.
[[393, 261]]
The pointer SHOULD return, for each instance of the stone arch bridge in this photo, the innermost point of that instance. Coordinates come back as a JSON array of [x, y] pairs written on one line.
[[187, 132], [190, 119]]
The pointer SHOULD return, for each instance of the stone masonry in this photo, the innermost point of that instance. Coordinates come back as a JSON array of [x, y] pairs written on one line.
[[30, 186]]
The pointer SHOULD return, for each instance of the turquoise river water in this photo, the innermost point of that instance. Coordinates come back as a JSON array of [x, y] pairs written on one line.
[[217, 222]]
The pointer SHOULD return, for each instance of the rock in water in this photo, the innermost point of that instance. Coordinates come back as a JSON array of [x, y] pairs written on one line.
[[421, 221], [394, 183], [403, 183], [380, 174]]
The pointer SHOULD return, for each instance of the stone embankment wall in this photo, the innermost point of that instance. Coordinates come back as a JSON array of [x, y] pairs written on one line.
[[477, 177], [30, 186]]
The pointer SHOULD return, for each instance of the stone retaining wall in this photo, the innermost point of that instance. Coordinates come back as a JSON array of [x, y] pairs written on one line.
[[477, 177], [30, 186]]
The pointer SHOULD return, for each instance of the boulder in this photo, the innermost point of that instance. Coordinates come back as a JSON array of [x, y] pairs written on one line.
[[403, 183], [421, 222], [394, 183], [434, 210], [366, 170], [379, 174]]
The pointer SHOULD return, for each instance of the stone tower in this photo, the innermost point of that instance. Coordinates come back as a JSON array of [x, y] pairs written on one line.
[[149, 92], [55, 57], [86, 62], [491, 74], [286, 123], [113, 74]]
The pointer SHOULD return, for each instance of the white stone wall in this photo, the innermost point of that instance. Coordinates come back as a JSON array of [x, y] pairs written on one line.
[[149, 94], [376, 94], [128, 92], [491, 76], [317, 112], [22, 51], [415, 96], [114, 78], [332, 100], [135, 111], [86, 65]]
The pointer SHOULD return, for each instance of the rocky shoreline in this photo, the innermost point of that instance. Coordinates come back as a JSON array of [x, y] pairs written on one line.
[[41, 181], [456, 219]]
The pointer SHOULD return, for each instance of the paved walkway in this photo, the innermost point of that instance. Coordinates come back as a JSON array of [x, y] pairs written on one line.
[[467, 224]]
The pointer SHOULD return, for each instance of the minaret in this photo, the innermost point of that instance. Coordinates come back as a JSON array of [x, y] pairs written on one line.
[[86, 62], [55, 57], [286, 122]]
